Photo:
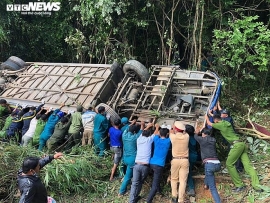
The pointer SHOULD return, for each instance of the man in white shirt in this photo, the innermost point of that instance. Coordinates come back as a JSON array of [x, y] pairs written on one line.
[[88, 125], [28, 136], [141, 168]]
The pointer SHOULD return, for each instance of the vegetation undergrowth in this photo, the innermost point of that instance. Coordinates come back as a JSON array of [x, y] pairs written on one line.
[[81, 176], [81, 172]]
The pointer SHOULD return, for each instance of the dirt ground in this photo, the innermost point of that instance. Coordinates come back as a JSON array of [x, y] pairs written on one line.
[[224, 186]]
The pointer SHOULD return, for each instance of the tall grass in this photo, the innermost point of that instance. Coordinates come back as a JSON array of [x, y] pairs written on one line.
[[80, 172]]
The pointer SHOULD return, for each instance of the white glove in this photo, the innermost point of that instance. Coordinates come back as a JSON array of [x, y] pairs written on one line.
[[108, 116], [42, 102], [51, 108], [70, 111]]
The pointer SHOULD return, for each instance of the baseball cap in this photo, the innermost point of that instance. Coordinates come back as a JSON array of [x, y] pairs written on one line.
[[124, 120], [225, 111]]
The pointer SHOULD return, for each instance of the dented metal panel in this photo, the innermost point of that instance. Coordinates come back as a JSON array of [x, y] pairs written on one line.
[[60, 83]]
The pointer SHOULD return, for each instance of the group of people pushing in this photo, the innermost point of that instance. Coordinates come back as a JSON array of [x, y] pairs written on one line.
[[142, 150]]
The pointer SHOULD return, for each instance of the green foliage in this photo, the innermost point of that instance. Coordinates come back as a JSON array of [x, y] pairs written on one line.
[[244, 46], [242, 51], [74, 174], [35, 37], [102, 38]]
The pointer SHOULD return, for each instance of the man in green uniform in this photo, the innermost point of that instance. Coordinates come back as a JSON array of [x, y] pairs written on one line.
[[75, 129], [8, 121], [238, 150], [4, 111], [58, 136], [39, 128]]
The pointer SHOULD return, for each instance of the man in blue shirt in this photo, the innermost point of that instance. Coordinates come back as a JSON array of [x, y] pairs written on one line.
[[161, 147], [101, 125], [141, 168], [49, 127], [115, 135]]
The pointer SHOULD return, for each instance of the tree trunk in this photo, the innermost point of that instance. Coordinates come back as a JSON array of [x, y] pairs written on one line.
[[200, 39]]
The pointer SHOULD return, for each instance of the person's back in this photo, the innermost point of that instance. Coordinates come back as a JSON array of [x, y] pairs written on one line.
[[141, 168], [76, 123], [27, 117], [161, 148], [210, 160], [144, 148], [49, 127], [16, 125], [208, 147], [75, 128], [28, 136], [52, 120], [88, 120], [58, 136], [61, 128], [100, 124], [39, 129], [157, 162], [180, 163], [88, 125], [180, 143], [130, 142], [129, 139], [115, 135]]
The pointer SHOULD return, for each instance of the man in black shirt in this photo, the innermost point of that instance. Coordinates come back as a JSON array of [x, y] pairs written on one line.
[[210, 160]]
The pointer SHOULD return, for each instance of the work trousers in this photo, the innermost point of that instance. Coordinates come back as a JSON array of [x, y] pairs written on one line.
[[100, 144], [87, 137], [179, 173], [42, 141], [129, 161], [239, 150], [73, 139]]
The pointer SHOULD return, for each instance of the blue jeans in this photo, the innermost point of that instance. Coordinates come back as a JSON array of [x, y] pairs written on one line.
[[156, 181], [129, 161], [140, 173], [210, 169]]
